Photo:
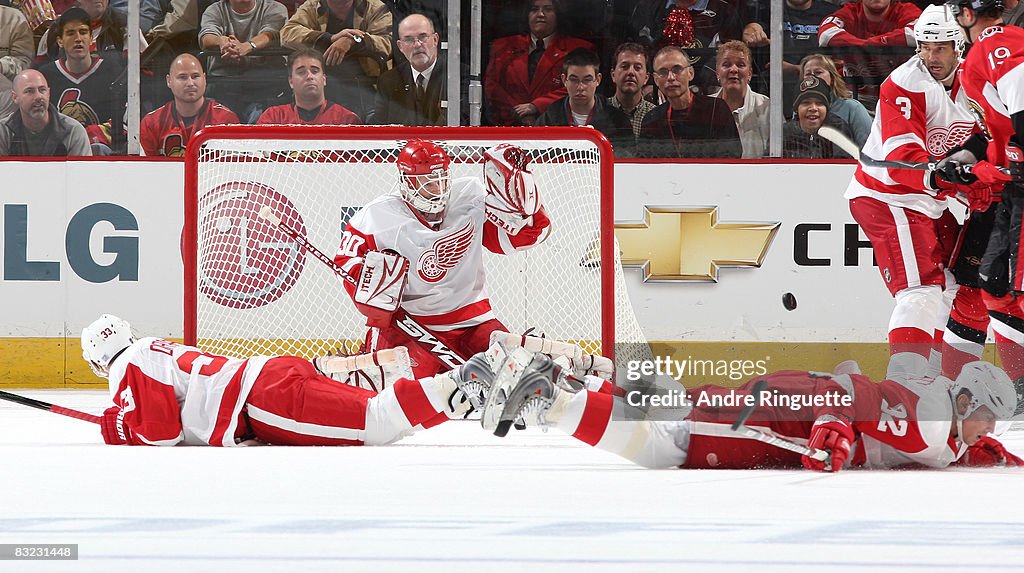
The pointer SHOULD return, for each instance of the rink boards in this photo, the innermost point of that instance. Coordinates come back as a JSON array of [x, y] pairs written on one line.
[[720, 245]]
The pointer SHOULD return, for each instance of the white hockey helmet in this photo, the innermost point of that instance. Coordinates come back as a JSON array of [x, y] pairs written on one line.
[[103, 340], [988, 386], [937, 24]]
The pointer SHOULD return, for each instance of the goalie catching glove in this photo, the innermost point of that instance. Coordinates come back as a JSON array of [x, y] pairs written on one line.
[[379, 289], [512, 197]]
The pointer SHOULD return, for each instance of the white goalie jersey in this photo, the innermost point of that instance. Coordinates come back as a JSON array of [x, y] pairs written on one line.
[[446, 283], [916, 121]]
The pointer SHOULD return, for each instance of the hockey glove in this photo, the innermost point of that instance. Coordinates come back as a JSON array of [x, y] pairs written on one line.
[[114, 432], [988, 452], [834, 436], [512, 197], [379, 289], [987, 174]]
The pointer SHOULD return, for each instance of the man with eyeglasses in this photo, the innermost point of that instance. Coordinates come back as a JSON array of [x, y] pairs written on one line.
[[581, 76], [410, 94], [688, 124]]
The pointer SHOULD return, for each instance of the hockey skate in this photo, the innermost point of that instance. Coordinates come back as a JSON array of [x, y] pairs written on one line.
[[522, 392], [473, 380]]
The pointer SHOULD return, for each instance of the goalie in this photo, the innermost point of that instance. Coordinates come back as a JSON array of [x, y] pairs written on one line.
[[418, 251]]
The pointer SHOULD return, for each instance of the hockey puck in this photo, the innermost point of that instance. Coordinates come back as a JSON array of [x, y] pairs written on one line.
[[789, 301]]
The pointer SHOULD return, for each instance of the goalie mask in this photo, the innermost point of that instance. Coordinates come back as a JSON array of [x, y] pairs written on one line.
[[104, 339], [988, 386], [938, 24], [424, 170]]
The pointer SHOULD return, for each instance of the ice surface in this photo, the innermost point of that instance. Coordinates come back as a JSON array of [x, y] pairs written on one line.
[[456, 499]]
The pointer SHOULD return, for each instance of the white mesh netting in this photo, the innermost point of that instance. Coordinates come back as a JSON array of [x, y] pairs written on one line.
[[258, 293]]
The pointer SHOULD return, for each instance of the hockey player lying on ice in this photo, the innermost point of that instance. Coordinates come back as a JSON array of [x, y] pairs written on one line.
[[892, 423], [167, 394]]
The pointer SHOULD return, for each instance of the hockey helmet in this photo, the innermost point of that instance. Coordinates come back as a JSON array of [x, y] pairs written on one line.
[[976, 5], [423, 166], [938, 24], [988, 386], [102, 340]]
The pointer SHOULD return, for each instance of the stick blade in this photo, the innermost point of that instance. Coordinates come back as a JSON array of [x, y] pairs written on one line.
[[839, 138], [749, 409]]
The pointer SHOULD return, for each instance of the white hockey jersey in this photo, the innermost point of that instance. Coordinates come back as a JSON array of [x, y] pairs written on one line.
[[171, 393], [917, 121], [446, 286]]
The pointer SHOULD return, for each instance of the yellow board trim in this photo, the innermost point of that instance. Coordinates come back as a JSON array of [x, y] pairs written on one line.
[[57, 362]]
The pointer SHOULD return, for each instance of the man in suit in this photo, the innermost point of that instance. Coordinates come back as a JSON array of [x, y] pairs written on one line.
[[523, 76], [411, 93]]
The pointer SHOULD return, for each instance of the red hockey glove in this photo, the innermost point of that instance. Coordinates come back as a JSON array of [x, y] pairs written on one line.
[[832, 435], [988, 452], [109, 425], [980, 198], [990, 175]]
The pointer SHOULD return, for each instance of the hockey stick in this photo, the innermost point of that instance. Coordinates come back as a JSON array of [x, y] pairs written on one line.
[[39, 404], [408, 324], [849, 146], [761, 436]]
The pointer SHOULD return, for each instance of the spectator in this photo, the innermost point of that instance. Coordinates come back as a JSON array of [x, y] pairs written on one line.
[[581, 74], [687, 24], [1013, 13], [15, 54], [800, 135], [411, 93], [842, 105], [150, 12], [688, 124], [38, 129], [749, 108], [180, 18], [522, 77], [238, 28], [108, 34], [167, 130], [630, 75], [308, 81], [82, 85], [872, 24], [800, 22], [355, 39]]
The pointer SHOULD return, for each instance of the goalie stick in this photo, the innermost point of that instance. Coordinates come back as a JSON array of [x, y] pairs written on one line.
[[850, 147], [40, 405], [407, 323], [761, 436]]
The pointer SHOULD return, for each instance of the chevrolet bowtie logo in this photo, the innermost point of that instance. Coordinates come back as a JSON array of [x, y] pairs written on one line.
[[689, 244]]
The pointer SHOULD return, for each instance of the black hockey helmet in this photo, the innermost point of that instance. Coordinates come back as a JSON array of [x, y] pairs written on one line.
[[976, 5]]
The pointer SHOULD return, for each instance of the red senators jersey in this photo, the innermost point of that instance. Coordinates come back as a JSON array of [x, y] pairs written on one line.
[[445, 289], [895, 423], [329, 114], [162, 131], [171, 393], [916, 120], [993, 78], [848, 26]]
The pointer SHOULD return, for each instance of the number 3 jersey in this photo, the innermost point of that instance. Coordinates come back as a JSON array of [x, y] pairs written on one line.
[[917, 120], [171, 393], [446, 284]]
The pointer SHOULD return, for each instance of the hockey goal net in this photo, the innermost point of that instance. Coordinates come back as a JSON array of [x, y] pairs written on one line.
[[249, 289]]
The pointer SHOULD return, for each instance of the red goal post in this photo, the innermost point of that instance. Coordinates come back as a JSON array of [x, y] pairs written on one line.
[[249, 291]]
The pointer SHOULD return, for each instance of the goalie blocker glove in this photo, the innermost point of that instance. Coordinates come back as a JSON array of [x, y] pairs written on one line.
[[379, 289], [512, 196]]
